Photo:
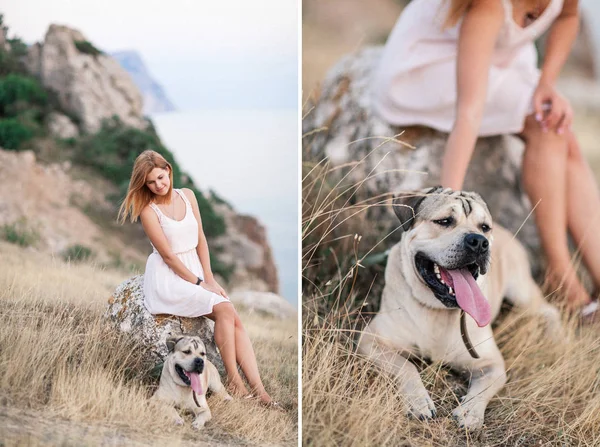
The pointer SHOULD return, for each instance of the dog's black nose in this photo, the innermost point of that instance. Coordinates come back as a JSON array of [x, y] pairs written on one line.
[[198, 365], [477, 243]]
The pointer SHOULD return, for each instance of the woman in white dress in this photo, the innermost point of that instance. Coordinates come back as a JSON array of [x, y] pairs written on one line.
[[469, 67], [178, 279]]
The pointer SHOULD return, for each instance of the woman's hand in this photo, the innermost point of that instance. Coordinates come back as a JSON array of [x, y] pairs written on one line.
[[213, 286], [552, 110]]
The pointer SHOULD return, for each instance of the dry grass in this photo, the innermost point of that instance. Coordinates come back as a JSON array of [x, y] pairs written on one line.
[[60, 362], [553, 392]]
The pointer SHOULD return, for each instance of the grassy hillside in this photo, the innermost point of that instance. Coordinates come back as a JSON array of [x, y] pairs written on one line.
[[67, 374]]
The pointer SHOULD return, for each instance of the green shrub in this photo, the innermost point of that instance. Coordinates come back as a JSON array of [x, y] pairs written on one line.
[[218, 199], [19, 93], [19, 233], [218, 267], [13, 133], [78, 253], [87, 48], [212, 223]]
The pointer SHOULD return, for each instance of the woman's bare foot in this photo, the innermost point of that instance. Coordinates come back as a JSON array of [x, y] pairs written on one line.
[[565, 283], [237, 388], [264, 398]]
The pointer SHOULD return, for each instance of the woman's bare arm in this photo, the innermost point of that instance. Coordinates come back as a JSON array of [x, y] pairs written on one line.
[[159, 240], [202, 248], [561, 36], [209, 280], [477, 38]]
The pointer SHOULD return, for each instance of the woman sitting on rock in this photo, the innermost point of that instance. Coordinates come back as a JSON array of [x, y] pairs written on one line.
[[178, 279], [469, 68]]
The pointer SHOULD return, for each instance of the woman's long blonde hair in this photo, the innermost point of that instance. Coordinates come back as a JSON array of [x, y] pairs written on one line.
[[458, 8], [138, 194]]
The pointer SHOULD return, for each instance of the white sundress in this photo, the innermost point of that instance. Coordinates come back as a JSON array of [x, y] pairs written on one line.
[[165, 292], [415, 82]]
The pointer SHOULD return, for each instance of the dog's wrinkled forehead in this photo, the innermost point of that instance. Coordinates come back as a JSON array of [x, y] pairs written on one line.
[[433, 203], [191, 343], [186, 344], [450, 201]]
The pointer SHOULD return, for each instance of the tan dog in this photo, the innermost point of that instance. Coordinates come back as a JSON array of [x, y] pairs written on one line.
[[445, 262], [186, 376]]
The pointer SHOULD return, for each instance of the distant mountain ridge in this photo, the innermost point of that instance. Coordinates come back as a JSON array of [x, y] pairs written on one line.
[[155, 99]]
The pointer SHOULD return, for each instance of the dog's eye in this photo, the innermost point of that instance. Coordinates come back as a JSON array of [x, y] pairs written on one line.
[[202, 354], [485, 228], [444, 222], [188, 352]]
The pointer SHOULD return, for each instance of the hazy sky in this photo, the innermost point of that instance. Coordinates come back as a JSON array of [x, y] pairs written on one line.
[[207, 54]]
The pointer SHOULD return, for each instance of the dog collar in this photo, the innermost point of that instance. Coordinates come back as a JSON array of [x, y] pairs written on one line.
[[465, 336]]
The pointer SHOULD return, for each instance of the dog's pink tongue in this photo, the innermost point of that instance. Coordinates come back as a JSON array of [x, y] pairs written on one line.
[[469, 297], [195, 379]]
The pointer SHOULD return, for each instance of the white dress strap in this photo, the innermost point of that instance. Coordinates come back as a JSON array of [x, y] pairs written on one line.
[[157, 211], [184, 197]]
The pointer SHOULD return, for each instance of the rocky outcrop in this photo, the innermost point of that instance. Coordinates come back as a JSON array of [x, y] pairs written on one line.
[[61, 126], [245, 247], [47, 201], [127, 313], [266, 303], [343, 128], [154, 97], [88, 84]]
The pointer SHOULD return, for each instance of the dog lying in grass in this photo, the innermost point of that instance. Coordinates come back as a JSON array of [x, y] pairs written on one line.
[[450, 262], [186, 376]]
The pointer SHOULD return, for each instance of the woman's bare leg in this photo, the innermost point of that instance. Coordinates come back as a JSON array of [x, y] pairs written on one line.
[[583, 208], [247, 360], [545, 180], [224, 316]]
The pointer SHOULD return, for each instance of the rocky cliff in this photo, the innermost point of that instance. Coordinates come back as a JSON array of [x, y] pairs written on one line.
[[88, 83], [62, 206], [154, 97]]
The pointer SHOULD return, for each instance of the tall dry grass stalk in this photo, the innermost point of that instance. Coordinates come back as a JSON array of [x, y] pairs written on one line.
[[553, 392], [58, 359]]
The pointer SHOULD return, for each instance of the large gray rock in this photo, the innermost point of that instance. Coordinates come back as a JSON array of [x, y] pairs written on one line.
[[90, 86], [127, 313], [343, 128]]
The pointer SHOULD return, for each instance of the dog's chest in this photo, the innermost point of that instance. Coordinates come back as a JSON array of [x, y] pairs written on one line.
[[421, 335]]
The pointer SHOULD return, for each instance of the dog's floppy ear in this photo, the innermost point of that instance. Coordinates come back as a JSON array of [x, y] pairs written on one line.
[[172, 341], [406, 206]]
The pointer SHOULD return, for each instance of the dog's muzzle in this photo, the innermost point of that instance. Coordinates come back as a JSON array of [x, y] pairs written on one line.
[[454, 283]]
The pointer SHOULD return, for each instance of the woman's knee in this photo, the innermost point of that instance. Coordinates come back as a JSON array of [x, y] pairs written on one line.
[[238, 322], [224, 312], [544, 143]]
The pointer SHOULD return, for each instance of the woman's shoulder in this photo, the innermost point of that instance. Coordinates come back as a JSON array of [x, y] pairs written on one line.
[[147, 211], [189, 194]]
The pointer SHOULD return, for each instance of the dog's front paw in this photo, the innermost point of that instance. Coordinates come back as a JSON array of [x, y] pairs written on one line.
[[200, 420], [178, 420], [198, 424], [420, 405], [469, 416]]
